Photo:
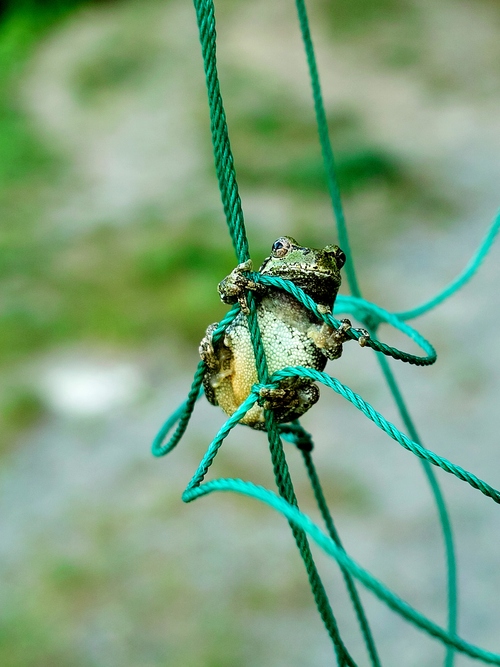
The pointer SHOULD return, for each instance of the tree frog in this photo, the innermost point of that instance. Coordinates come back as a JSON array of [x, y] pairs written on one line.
[[291, 334]]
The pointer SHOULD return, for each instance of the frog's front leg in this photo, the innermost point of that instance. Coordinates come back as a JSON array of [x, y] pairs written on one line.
[[328, 339], [234, 286], [217, 358]]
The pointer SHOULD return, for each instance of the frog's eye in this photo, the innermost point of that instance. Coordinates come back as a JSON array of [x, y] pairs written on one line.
[[280, 247], [340, 258], [338, 255]]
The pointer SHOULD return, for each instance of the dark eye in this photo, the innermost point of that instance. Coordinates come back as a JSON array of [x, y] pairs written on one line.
[[280, 247], [340, 258]]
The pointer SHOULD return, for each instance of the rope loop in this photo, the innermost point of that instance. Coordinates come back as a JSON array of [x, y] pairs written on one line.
[[368, 313], [181, 417]]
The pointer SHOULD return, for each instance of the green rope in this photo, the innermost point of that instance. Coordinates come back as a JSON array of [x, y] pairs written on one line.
[[326, 148], [365, 311], [184, 411], [234, 216], [371, 316], [196, 489], [224, 164], [329, 546], [332, 532], [444, 518], [371, 322]]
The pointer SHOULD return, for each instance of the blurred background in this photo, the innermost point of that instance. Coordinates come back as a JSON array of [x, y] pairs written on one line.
[[112, 242]]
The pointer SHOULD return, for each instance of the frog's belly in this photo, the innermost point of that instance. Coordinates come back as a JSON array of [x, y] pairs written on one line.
[[283, 345]]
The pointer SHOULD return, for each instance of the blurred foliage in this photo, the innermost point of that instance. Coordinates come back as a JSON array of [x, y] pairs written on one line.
[[350, 17], [281, 150], [116, 65], [125, 286], [278, 141], [22, 407]]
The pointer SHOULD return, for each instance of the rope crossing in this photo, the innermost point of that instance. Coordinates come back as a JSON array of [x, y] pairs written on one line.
[[371, 315]]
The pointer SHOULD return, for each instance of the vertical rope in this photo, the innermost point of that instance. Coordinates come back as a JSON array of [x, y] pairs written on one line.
[[332, 531], [326, 149], [444, 518], [328, 158], [286, 491], [234, 216], [224, 164]]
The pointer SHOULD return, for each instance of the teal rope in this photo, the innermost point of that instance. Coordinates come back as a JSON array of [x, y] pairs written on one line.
[[456, 284], [224, 163], [234, 216], [196, 489], [389, 428], [295, 433], [444, 519], [364, 310], [328, 545], [286, 491], [332, 532], [285, 487], [185, 410]]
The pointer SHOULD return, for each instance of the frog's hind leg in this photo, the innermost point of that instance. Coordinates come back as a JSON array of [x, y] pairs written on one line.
[[291, 399]]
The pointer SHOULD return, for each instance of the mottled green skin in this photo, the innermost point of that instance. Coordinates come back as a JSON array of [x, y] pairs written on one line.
[[291, 335]]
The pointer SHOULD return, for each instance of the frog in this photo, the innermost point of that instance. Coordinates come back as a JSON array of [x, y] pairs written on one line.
[[291, 334]]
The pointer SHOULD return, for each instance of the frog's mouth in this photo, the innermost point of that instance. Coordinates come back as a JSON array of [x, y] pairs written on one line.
[[295, 272]]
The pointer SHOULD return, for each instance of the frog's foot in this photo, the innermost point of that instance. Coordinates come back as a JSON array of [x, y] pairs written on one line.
[[330, 340], [218, 361], [291, 399], [233, 288]]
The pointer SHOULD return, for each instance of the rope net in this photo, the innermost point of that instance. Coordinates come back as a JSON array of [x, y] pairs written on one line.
[[371, 315]]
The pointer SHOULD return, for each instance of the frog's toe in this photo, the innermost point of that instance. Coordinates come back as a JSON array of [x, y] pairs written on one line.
[[234, 285], [206, 348], [290, 399]]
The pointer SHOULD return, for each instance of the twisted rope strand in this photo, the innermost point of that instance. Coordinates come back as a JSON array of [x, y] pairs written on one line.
[[326, 148], [444, 519], [352, 280], [224, 163], [332, 531], [365, 311], [234, 217], [389, 428]]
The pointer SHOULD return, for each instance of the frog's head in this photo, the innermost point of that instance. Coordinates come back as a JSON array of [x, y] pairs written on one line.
[[317, 272]]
